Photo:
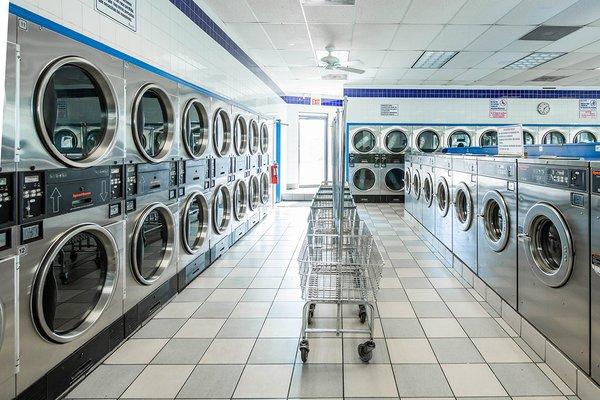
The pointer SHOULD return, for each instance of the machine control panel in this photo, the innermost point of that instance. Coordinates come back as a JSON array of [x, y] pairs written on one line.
[[254, 161], [354, 159], [198, 172], [596, 181], [560, 177], [222, 166], [7, 199], [148, 178], [241, 164], [501, 170]]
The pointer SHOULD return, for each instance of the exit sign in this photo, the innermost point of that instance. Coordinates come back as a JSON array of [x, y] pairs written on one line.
[[315, 101]]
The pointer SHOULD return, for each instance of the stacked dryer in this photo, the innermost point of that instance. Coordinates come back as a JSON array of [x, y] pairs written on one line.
[[253, 179], [395, 141], [364, 164], [241, 171], [266, 192]]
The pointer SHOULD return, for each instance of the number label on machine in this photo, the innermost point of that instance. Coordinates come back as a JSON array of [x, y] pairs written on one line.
[[510, 140]]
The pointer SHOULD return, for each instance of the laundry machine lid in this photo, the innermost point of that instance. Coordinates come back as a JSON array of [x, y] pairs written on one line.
[[396, 141], [240, 199], [548, 244], [364, 179], [195, 222], [442, 195], [496, 220], [75, 282], [221, 208], [76, 113], [195, 128], [464, 209], [221, 132], [254, 192], [364, 140], [394, 179], [428, 141]]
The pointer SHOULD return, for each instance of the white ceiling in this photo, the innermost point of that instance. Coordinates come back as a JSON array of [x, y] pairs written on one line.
[[385, 37]]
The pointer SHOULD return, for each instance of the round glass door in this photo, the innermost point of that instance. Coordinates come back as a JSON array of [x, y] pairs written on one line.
[[264, 138], [496, 222], [363, 179], [428, 189], [528, 138], [152, 123], [428, 141], [416, 185], [221, 133], [240, 135], [548, 245], [254, 193], [254, 137], [221, 209], [554, 137], [408, 180], [195, 222], [459, 138], [75, 282], [394, 179], [195, 128], [489, 138], [463, 206], [364, 141], [265, 188], [584, 137], [240, 196], [152, 243], [442, 194], [76, 112], [396, 141]]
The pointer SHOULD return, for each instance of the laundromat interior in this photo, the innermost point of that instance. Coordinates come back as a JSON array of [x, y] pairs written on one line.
[[300, 199]]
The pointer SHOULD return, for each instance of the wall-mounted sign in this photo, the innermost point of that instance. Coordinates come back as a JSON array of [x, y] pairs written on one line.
[[315, 101], [588, 108], [122, 11], [510, 140], [389, 110], [498, 108]]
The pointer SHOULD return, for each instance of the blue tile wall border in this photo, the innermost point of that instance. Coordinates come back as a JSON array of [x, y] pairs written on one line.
[[474, 93]]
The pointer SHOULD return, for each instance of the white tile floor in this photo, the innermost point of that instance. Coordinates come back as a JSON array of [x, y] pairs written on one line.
[[233, 333]]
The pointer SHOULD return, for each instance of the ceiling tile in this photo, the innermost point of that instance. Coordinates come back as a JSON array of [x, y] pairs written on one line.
[[280, 73], [432, 11], [367, 58], [446, 74], [337, 35], [230, 11], [483, 11], [534, 12], [526, 45], [473, 75], [467, 59], [251, 34], [531, 74], [288, 36], [500, 60], [330, 14], [298, 58], [498, 37], [306, 72], [501, 75], [581, 13], [401, 59], [414, 37], [390, 73], [373, 36], [457, 37], [380, 11], [280, 11], [271, 58], [577, 61], [590, 48], [575, 40]]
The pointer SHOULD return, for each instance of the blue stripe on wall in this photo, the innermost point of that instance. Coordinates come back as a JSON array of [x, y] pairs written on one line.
[[474, 93], [303, 100]]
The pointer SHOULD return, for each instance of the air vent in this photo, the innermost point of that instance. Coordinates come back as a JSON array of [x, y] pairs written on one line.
[[548, 78], [335, 77], [328, 2], [549, 33]]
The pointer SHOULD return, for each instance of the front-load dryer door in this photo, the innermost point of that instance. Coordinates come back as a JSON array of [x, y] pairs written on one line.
[[496, 220], [254, 193], [548, 245], [428, 141], [394, 179], [364, 179], [428, 194], [194, 222], [416, 185], [75, 282], [153, 241], [364, 141], [265, 188], [221, 132], [195, 128], [221, 209], [240, 199], [442, 195], [463, 206], [395, 141]]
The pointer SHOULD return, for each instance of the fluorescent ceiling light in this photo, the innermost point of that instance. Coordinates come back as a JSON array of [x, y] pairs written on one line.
[[533, 60], [342, 55], [434, 59]]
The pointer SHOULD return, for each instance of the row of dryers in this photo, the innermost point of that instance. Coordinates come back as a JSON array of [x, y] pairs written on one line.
[[428, 139], [529, 229]]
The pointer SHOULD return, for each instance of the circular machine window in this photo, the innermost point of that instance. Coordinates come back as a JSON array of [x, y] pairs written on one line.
[[254, 137], [459, 138], [195, 222], [221, 132], [463, 204], [363, 179], [76, 112], [265, 188], [428, 141], [394, 179], [584, 137], [152, 123], [396, 141], [489, 138], [75, 282], [152, 243], [408, 180], [442, 195], [528, 138], [495, 220], [221, 209], [195, 128], [240, 135], [364, 141], [554, 137], [264, 138], [254, 193], [428, 190], [240, 202], [416, 185]]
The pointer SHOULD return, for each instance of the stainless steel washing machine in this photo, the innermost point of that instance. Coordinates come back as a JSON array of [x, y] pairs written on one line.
[[365, 140], [416, 188], [444, 212], [8, 310], [153, 117], [497, 225], [427, 139], [392, 178], [554, 252], [555, 135], [72, 102], [194, 222], [464, 201], [487, 136], [459, 136], [584, 135], [395, 139], [428, 192], [9, 123], [221, 211], [408, 199], [364, 176], [195, 124], [595, 273], [71, 282], [152, 211]]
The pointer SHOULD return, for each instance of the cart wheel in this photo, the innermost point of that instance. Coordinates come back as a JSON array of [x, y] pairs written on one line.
[[304, 350], [362, 313], [365, 351], [310, 316]]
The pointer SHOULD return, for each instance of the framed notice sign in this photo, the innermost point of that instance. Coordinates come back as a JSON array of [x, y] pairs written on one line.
[[510, 140], [122, 11]]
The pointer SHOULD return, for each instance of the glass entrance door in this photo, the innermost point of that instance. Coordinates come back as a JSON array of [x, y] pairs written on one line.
[[312, 150]]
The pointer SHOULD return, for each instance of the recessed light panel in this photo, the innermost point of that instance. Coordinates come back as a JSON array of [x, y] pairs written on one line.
[[434, 59], [533, 60], [549, 33]]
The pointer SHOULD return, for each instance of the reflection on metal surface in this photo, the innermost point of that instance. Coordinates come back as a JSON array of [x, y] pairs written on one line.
[[195, 222], [364, 179], [394, 179], [221, 132], [364, 141], [195, 128]]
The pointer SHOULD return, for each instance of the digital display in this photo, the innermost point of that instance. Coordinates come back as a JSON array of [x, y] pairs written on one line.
[[3, 240], [32, 178], [557, 176], [30, 232], [3, 181]]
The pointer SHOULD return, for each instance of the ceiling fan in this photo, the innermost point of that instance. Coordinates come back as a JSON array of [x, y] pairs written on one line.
[[331, 62]]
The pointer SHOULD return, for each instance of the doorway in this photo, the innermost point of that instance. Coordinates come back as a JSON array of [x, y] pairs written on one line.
[[312, 149]]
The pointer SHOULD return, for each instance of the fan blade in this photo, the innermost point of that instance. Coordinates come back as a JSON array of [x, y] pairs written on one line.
[[350, 69]]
